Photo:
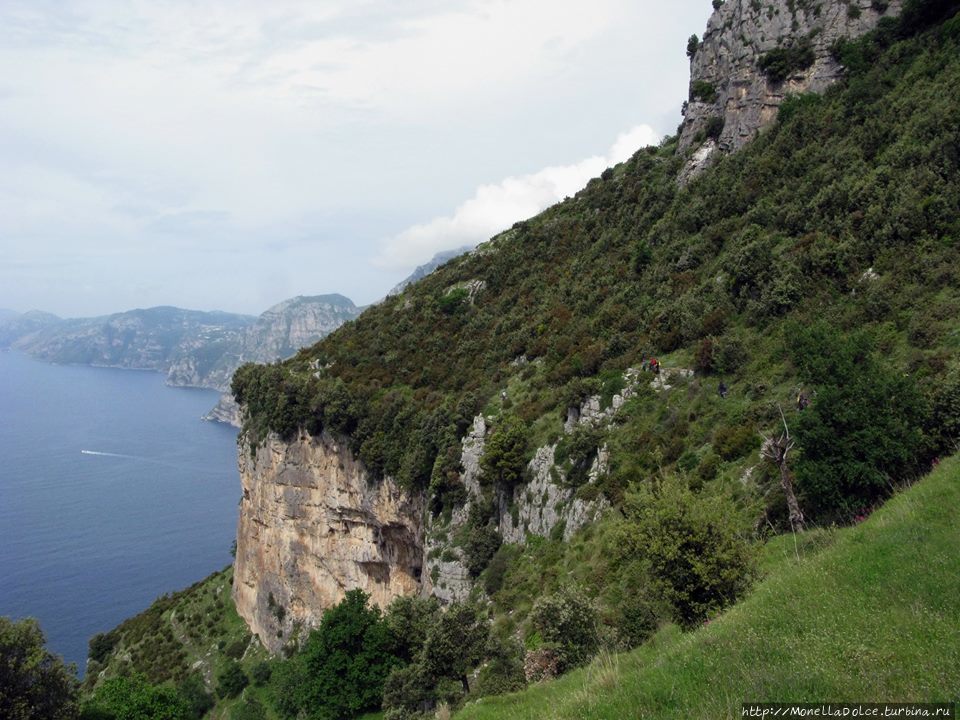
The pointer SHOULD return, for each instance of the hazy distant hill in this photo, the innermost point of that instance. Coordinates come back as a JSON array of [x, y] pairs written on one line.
[[277, 334], [428, 267], [15, 325], [192, 348], [148, 339]]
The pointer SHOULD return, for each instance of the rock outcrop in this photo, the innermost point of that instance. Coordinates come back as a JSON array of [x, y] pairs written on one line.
[[726, 80], [314, 525], [226, 411]]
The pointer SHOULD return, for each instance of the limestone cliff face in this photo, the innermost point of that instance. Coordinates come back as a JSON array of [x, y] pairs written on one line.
[[314, 525], [738, 34]]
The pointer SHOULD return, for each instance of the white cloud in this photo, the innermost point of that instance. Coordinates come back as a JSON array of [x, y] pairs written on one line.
[[295, 134], [496, 207]]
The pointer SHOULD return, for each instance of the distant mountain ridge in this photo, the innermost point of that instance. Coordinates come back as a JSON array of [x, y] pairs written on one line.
[[428, 267], [192, 348]]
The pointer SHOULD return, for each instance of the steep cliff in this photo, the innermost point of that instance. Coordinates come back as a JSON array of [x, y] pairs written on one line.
[[727, 80], [314, 524]]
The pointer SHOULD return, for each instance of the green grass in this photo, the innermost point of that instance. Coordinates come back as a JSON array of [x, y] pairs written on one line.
[[865, 613]]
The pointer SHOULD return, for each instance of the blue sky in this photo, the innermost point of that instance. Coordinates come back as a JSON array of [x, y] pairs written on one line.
[[227, 155]]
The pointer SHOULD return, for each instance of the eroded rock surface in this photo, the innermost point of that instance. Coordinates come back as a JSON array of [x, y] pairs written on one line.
[[727, 65], [314, 525]]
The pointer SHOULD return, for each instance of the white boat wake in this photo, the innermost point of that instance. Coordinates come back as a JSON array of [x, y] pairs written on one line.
[[107, 454]]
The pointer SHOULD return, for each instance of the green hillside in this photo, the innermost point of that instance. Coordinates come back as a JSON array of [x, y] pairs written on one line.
[[818, 264], [870, 617], [845, 213]]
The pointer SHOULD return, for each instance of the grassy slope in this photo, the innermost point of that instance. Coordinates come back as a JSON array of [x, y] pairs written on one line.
[[875, 616], [199, 622]]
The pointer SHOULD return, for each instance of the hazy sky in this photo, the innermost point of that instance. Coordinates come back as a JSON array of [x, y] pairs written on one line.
[[228, 155]]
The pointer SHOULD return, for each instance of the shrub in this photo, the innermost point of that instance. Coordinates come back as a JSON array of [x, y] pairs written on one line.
[[503, 671], [693, 44], [236, 649], [714, 127], [637, 619], [568, 623], [732, 442], [863, 431], [781, 63], [703, 91], [642, 255], [943, 426], [504, 455], [480, 545], [249, 709], [101, 645], [691, 545], [133, 697], [577, 452], [195, 694], [231, 680], [454, 301], [407, 691], [496, 570], [260, 673]]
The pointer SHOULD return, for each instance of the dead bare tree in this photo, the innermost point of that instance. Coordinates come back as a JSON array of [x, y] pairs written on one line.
[[775, 451]]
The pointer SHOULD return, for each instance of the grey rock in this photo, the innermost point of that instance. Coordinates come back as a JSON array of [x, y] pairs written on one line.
[[738, 34]]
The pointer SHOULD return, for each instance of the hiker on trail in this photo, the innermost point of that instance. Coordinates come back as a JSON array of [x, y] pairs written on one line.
[[803, 400], [645, 365], [722, 390], [654, 366]]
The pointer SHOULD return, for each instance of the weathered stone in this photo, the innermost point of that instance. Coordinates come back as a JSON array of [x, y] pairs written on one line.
[[314, 525], [738, 34]]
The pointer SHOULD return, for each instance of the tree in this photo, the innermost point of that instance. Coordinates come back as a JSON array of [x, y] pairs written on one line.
[[504, 456], [34, 683], [693, 44], [410, 619], [341, 670], [863, 431], [775, 452], [456, 643]]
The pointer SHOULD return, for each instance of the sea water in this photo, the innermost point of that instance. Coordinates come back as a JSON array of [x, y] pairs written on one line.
[[112, 493]]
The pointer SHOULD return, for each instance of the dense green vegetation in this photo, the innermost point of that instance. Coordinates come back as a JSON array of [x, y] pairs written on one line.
[[863, 612], [845, 212]]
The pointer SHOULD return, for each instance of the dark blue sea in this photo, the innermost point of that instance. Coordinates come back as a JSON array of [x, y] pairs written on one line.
[[112, 493]]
